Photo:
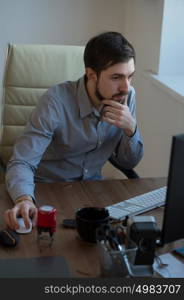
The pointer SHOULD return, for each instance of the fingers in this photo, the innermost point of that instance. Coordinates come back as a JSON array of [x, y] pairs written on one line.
[[117, 112], [24, 209], [109, 120], [28, 210], [112, 103], [10, 217], [113, 121], [33, 214], [119, 115], [126, 101], [111, 116], [116, 104], [25, 215]]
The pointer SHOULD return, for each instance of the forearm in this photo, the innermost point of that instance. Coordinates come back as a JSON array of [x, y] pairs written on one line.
[[130, 150], [20, 180]]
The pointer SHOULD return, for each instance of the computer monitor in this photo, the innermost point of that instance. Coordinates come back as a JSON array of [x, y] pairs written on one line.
[[173, 219]]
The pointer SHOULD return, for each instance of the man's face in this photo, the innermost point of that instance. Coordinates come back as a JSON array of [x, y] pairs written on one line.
[[113, 83]]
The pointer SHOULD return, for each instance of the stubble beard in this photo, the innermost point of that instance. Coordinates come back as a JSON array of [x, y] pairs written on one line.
[[100, 97]]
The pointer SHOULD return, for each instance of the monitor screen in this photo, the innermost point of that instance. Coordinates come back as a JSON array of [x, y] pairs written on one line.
[[173, 221]]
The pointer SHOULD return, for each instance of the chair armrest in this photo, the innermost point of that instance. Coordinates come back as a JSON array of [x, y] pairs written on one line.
[[130, 173], [2, 172]]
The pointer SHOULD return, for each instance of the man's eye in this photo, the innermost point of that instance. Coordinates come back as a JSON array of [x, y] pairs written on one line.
[[115, 77]]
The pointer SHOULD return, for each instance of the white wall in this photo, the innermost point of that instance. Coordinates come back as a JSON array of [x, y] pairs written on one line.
[[56, 21], [160, 115]]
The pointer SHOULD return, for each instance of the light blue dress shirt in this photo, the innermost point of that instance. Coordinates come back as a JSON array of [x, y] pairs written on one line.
[[65, 140]]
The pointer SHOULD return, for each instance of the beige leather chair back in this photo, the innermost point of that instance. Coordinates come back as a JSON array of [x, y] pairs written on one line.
[[30, 71]]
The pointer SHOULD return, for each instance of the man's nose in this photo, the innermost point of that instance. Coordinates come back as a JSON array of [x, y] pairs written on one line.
[[124, 86]]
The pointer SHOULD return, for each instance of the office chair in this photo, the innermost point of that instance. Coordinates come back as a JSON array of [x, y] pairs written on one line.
[[30, 70]]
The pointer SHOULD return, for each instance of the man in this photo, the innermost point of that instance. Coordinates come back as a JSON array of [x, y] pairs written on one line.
[[78, 126]]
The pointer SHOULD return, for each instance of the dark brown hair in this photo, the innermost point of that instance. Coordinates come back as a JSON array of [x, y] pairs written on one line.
[[107, 49]]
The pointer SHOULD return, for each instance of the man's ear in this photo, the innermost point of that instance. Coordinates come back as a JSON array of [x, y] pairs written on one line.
[[91, 74]]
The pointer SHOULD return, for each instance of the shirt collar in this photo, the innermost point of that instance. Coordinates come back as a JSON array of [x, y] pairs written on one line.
[[85, 105]]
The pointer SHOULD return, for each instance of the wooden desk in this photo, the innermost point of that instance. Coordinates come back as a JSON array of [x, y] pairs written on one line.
[[82, 257]]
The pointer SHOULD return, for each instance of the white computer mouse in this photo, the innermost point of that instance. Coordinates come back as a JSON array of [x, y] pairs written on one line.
[[22, 228]]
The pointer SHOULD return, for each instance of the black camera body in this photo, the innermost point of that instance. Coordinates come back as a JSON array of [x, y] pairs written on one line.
[[144, 232]]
